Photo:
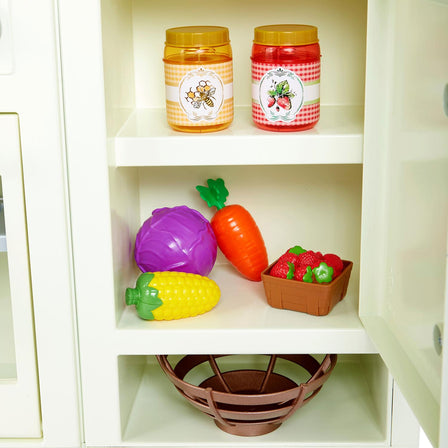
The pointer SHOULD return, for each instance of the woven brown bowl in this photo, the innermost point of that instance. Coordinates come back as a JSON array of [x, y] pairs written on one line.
[[249, 402]]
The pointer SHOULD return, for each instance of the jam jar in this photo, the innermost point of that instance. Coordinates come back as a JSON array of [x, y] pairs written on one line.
[[198, 78], [285, 77]]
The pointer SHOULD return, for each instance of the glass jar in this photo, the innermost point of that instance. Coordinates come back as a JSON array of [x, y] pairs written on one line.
[[198, 78], [285, 77]]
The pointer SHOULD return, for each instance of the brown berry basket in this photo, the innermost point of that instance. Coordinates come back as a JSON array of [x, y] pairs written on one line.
[[249, 402], [317, 299]]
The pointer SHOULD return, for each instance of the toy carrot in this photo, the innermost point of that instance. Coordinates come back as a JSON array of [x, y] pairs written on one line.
[[237, 234]]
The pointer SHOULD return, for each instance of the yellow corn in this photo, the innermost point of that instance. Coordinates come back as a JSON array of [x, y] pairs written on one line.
[[172, 295]]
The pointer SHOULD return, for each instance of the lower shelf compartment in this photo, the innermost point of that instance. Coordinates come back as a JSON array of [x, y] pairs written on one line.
[[353, 408]]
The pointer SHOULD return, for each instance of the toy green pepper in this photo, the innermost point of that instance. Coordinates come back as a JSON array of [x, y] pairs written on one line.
[[323, 273]]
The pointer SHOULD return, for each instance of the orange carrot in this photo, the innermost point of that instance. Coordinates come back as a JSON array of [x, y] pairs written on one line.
[[237, 234]]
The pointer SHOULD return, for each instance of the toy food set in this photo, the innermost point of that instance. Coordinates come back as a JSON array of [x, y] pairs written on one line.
[[306, 281], [237, 233], [248, 402], [172, 295], [285, 77], [176, 239], [198, 78]]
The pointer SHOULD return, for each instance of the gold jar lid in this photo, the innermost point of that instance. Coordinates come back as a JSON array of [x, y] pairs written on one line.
[[283, 35], [197, 36]]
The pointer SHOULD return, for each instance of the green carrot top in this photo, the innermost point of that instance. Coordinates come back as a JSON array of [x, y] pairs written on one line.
[[216, 193]]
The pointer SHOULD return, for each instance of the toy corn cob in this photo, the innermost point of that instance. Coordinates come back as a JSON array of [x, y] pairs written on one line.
[[172, 295]]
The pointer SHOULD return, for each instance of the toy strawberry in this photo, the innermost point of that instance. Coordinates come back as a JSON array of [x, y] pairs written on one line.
[[283, 269], [291, 257], [303, 274], [335, 262], [310, 258]]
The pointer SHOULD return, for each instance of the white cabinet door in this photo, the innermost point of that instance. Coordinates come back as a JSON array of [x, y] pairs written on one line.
[[19, 396], [405, 201]]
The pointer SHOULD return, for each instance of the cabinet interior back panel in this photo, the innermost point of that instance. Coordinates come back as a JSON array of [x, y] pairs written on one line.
[[341, 28], [134, 37], [315, 206]]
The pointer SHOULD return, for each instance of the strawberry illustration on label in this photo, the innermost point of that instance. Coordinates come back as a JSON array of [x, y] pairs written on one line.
[[284, 102], [281, 94]]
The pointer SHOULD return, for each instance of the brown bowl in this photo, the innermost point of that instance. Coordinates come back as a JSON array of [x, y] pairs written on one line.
[[249, 402], [317, 299]]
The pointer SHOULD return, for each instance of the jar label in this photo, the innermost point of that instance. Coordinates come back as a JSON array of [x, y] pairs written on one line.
[[199, 96], [288, 95]]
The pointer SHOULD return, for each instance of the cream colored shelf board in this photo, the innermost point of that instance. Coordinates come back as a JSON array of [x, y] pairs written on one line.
[[243, 322], [342, 414], [147, 140]]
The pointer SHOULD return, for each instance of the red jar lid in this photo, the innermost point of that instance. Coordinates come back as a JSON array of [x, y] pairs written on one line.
[[285, 35]]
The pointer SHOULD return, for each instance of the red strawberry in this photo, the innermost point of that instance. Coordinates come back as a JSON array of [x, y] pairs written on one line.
[[310, 258], [335, 262], [300, 272], [284, 102], [288, 256], [283, 269], [271, 101]]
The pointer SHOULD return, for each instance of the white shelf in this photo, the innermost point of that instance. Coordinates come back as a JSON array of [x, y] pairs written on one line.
[[343, 413], [336, 139], [243, 322]]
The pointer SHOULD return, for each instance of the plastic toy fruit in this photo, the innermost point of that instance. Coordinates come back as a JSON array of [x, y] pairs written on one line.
[[283, 269], [238, 236], [176, 239], [172, 295], [303, 274], [310, 258], [335, 262]]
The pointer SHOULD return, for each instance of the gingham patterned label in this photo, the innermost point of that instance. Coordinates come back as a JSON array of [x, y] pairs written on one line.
[[287, 95], [199, 95]]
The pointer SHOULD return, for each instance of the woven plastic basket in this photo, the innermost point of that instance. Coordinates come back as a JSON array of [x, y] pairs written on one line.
[[249, 402]]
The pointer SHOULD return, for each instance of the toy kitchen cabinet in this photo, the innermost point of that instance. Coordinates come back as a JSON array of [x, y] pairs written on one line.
[[369, 182]]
